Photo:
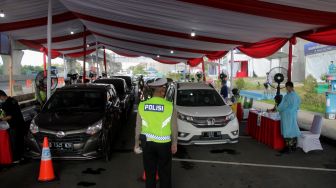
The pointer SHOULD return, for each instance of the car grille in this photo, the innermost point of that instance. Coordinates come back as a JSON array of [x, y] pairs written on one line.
[[200, 139], [206, 122], [73, 138]]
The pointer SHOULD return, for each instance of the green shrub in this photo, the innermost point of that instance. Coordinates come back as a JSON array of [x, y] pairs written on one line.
[[258, 87], [174, 76], [251, 85], [314, 102], [310, 84], [324, 77], [311, 98], [218, 84], [240, 83]]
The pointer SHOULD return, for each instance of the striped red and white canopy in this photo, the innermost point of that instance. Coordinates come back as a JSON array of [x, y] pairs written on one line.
[[157, 27]]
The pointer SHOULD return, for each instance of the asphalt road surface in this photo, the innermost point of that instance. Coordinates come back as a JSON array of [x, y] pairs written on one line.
[[245, 164]]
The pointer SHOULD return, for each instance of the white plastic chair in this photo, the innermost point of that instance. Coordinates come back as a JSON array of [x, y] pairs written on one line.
[[310, 140]]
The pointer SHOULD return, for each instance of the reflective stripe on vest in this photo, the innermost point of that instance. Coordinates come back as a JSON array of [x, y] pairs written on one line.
[[165, 122], [144, 123], [161, 138]]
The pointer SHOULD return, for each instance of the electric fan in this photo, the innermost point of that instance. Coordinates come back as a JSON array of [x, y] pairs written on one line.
[[277, 78]]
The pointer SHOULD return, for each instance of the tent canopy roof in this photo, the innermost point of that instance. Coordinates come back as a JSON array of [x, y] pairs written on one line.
[[158, 27]]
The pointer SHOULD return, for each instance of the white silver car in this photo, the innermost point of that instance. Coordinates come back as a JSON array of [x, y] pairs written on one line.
[[202, 115]]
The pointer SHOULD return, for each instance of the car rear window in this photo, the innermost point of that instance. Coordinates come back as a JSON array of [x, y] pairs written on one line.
[[77, 101], [117, 83], [199, 97], [127, 79]]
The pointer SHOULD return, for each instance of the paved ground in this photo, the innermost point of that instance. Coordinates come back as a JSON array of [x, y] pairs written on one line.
[[246, 164]]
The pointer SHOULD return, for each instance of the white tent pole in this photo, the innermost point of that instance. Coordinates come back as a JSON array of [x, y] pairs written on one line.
[[97, 58], [49, 48], [228, 69], [218, 69], [185, 72], [65, 67], [252, 66], [231, 79], [11, 93]]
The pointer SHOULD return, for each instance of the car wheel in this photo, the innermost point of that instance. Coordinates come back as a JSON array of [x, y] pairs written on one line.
[[107, 146]]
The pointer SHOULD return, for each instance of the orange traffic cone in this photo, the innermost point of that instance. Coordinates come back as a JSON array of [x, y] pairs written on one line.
[[46, 166], [157, 176], [144, 176]]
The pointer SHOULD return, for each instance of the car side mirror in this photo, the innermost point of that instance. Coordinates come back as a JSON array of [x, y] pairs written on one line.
[[116, 105], [109, 104]]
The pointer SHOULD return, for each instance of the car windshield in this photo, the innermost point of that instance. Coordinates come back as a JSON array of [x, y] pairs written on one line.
[[199, 97], [75, 101]]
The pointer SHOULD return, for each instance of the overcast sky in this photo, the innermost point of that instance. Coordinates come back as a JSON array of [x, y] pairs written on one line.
[[36, 59]]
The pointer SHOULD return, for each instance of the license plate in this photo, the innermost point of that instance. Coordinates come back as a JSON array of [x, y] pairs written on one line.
[[61, 146], [331, 116], [212, 134]]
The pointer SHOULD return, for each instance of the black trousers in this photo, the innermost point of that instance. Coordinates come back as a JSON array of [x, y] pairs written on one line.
[[17, 143], [157, 157]]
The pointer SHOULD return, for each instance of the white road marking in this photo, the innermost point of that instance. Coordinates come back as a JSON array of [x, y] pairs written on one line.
[[256, 165]]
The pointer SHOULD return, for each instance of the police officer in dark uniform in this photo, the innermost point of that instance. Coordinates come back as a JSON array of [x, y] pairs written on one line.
[[141, 85], [156, 129], [15, 120], [224, 90]]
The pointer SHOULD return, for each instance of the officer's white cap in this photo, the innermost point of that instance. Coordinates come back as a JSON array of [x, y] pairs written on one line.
[[158, 82]]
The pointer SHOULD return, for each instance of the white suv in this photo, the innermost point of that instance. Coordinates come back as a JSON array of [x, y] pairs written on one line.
[[202, 115]]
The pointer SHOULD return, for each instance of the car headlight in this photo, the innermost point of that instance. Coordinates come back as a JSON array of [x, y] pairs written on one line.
[[231, 117], [33, 127], [93, 129], [185, 117]]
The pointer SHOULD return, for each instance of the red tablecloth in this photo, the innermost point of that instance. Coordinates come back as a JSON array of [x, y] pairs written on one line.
[[5, 148], [239, 112], [268, 132]]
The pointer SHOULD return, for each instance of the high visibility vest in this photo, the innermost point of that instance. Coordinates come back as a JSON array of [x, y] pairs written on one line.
[[156, 116], [43, 96], [2, 113]]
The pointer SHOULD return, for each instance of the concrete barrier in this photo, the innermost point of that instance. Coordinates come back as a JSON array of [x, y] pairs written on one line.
[[305, 120], [25, 97]]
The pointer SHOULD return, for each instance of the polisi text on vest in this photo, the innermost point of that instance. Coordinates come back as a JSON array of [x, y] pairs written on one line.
[[154, 107]]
